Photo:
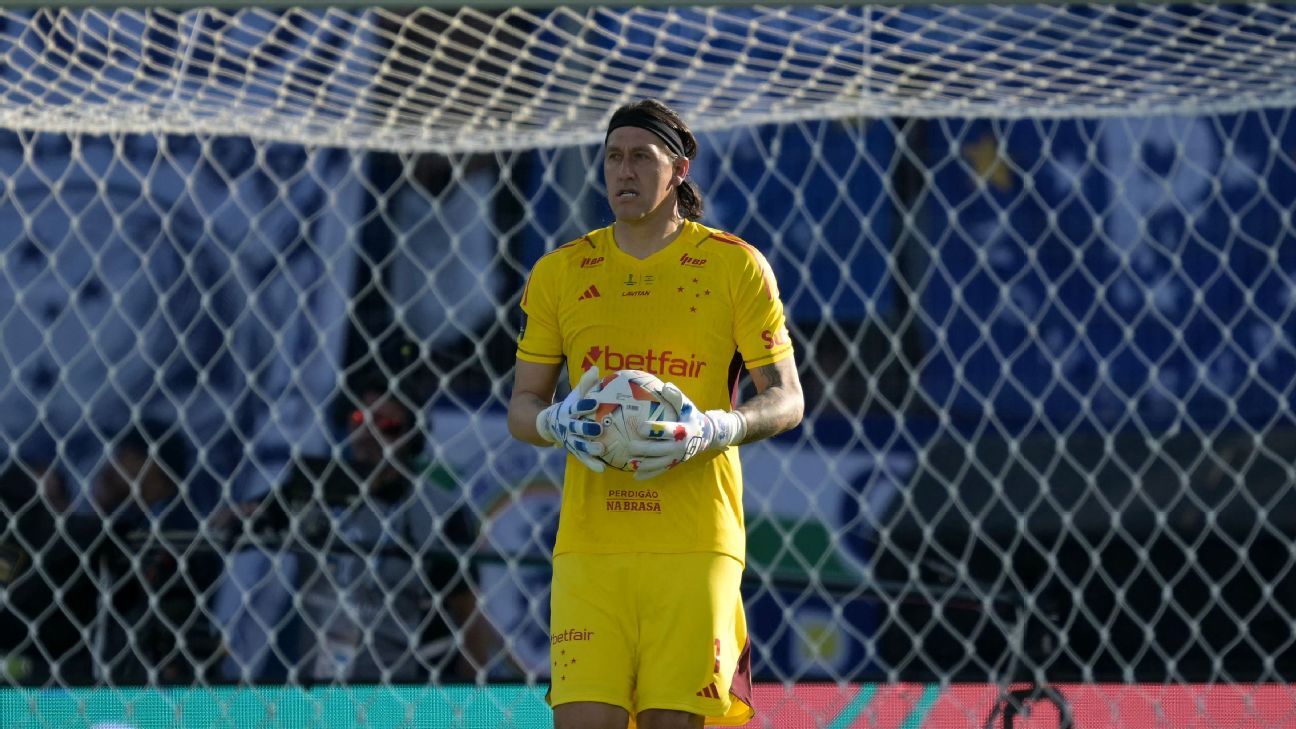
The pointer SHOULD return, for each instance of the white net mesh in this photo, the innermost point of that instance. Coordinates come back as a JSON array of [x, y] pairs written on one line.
[[514, 78], [1039, 264]]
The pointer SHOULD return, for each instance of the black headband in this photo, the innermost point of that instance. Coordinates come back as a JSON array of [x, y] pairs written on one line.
[[643, 120]]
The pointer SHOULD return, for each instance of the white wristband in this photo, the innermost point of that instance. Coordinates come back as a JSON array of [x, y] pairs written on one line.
[[542, 426], [731, 427]]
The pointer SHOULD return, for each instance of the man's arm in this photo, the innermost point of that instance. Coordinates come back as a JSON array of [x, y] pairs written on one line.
[[484, 649], [533, 390], [777, 406], [779, 403], [534, 418]]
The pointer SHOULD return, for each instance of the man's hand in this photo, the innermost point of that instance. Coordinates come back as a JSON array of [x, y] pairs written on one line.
[[667, 444], [561, 423]]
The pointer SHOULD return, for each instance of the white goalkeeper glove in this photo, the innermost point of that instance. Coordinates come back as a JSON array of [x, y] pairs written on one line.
[[666, 444], [561, 423]]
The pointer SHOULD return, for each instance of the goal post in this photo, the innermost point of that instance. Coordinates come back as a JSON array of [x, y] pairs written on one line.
[[1039, 266]]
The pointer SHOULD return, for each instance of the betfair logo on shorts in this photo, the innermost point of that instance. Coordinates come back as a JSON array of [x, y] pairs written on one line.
[[658, 363], [569, 635]]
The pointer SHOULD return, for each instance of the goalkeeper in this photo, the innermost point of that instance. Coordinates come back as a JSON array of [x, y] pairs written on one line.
[[647, 621]]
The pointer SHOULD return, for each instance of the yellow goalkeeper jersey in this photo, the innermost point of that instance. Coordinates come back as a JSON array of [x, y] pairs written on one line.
[[692, 313]]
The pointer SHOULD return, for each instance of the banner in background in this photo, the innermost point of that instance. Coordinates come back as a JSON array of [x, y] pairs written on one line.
[[794, 706]]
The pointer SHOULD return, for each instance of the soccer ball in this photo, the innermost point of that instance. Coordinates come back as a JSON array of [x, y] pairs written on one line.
[[625, 400]]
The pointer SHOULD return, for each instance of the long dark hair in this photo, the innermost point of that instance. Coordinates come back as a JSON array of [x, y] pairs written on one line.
[[688, 195]]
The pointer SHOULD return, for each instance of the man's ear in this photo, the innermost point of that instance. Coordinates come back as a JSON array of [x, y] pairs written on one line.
[[682, 165]]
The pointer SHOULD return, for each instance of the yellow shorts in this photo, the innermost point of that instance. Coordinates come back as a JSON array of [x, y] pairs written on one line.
[[651, 631]]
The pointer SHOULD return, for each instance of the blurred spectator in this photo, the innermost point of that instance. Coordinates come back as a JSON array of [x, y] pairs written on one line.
[[385, 595], [50, 599], [372, 544], [153, 554], [138, 486], [252, 602]]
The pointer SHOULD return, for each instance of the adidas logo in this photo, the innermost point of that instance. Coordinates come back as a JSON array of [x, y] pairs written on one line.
[[590, 293], [709, 692]]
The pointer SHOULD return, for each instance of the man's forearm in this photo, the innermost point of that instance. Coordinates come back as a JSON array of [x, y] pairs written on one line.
[[777, 408], [484, 647], [522, 412]]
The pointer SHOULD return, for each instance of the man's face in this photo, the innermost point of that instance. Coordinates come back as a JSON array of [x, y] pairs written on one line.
[[131, 469], [53, 488], [117, 475], [640, 173], [381, 423]]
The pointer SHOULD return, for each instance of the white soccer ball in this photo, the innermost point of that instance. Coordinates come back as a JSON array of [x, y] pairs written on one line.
[[626, 399]]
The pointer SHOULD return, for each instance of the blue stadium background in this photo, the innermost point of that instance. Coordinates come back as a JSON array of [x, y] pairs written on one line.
[[1092, 284]]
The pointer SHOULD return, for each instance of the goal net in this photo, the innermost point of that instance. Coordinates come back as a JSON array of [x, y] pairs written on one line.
[[259, 282]]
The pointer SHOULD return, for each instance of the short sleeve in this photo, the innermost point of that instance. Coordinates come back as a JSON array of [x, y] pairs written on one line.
[[539, 340], [759, 325]]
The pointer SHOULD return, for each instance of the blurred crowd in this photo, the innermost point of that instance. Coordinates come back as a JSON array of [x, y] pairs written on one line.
[[355, 568]]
